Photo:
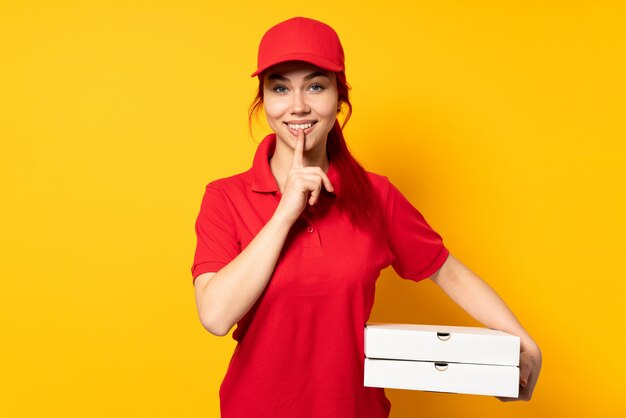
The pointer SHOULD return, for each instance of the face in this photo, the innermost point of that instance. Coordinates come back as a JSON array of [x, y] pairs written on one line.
[[296, 95]]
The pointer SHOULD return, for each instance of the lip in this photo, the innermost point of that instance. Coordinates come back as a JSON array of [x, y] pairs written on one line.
[[300, 122]]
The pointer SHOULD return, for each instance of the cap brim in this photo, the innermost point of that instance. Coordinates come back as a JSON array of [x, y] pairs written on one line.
[[310, 58]]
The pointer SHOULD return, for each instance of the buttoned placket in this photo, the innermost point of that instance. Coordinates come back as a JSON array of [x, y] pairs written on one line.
[[313, 240]]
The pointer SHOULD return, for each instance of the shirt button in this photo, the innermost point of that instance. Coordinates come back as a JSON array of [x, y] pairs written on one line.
[[311, 209], [309, 229]]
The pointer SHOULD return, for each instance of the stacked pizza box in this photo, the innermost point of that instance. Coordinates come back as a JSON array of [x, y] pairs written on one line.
[[436, 358]]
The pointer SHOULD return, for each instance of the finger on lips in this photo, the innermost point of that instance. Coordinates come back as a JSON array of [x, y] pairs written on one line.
[[297, 161], [298, 150]]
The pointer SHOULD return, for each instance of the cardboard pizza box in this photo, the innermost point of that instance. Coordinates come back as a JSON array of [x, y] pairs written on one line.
[[439, 358]]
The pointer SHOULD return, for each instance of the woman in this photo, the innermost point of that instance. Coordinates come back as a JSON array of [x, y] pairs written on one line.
[[291, 249]]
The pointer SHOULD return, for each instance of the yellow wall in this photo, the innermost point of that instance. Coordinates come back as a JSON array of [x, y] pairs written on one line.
[[503, 122]]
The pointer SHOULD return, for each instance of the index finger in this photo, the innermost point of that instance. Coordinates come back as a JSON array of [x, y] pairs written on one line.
[[298, 150]]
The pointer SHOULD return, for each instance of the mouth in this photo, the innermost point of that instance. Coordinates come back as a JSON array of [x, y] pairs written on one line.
[[307, 126]]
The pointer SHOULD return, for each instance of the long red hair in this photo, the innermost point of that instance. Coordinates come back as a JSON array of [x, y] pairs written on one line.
[[357, 196]]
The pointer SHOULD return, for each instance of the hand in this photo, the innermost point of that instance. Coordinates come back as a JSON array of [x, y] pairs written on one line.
[[303, 184], [529, 368]]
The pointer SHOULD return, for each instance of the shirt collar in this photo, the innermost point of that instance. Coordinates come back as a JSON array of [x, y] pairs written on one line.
[[262, 178]]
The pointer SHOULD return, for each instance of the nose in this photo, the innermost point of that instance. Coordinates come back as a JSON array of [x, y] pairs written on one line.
[[299, 104]]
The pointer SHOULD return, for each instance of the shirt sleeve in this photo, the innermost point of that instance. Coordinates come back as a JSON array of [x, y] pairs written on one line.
[[217, 238], [417, 250]]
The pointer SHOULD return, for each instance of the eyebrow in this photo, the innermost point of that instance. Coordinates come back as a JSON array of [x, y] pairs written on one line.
[[280, 77]]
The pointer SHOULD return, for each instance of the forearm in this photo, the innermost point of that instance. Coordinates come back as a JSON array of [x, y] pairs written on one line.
[[230, 293], [478, 299], [233, 290]]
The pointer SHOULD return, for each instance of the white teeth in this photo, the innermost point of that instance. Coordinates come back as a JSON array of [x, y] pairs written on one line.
[[299, 126]]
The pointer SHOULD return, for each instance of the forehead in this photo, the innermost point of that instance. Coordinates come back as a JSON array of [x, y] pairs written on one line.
[[294, 69]]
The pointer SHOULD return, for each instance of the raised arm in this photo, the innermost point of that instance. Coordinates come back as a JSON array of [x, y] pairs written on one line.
[[224, 297], [480, 301]]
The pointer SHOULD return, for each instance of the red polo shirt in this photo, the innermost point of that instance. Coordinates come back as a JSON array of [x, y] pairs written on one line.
[[300, 348]]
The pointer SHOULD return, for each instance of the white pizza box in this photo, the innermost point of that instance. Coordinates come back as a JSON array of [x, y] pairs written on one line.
[[472, 379], [441, 343], [440, 358]]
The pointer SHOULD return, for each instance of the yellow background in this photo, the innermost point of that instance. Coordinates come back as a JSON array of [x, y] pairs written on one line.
[[503, 122]]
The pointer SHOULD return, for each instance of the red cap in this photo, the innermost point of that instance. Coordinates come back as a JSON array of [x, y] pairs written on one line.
[[301, 39]]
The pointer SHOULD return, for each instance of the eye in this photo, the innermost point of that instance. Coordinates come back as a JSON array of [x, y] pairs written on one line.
[[316, 87], [279, 89]]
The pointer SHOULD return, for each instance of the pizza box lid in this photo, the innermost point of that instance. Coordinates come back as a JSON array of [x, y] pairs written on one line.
[[442, 343]]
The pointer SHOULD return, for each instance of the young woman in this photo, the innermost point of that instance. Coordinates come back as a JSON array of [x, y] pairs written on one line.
[[290, 250]]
